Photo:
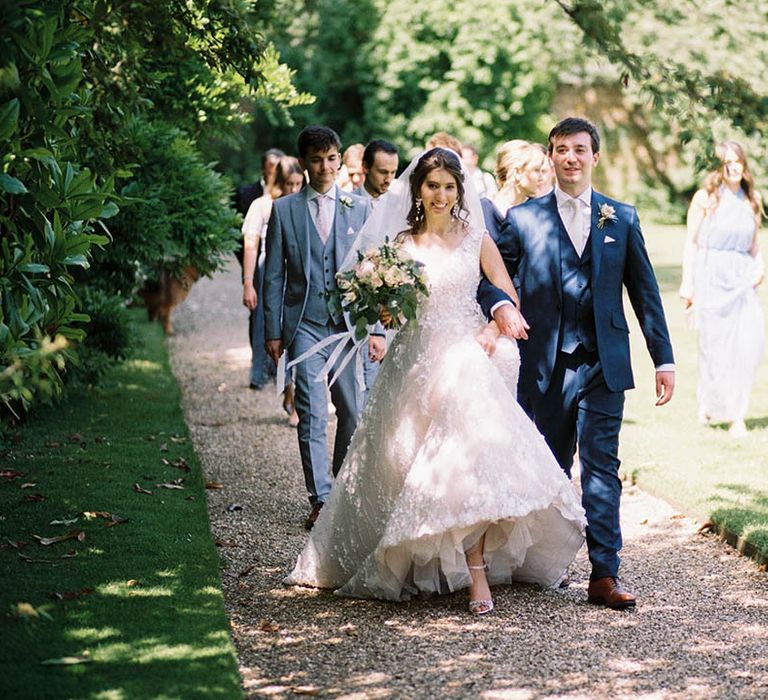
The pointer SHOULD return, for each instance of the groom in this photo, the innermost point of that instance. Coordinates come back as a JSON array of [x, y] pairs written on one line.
[[308, 236], [571, 252]]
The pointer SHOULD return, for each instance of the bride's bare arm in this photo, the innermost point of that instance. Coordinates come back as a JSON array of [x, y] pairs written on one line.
[[495, 270]]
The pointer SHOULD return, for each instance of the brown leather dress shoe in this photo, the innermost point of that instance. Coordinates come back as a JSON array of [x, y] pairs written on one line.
[[608, 591], [309, 523]]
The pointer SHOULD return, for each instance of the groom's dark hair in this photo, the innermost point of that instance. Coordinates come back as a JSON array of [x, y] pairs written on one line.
[[575, 125], [318, 138]]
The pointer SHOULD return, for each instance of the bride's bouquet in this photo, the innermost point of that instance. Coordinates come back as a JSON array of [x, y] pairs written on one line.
[[386, 279]]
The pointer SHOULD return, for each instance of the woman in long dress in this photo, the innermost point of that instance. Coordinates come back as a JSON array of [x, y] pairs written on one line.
[[447, 484], [722, 268]]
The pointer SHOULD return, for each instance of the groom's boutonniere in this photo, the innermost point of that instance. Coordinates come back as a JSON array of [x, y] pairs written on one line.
[[346, 202], [607, 213]]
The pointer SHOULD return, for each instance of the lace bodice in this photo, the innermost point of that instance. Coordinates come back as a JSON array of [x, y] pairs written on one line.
[[453, 280]]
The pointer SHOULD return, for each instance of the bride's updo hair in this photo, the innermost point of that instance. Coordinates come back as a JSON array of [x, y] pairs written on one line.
[[435, 159]]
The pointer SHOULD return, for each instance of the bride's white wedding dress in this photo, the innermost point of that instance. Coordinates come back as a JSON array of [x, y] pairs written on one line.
[[442, 454]]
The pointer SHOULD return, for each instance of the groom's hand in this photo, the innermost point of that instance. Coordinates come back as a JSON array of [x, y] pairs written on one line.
[[511, 322], [665, 387]]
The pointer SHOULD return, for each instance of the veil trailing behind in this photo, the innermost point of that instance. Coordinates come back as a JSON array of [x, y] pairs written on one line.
[[443, 454]]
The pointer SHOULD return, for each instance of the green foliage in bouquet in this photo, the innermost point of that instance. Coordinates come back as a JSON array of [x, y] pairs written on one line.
[[387, 279]]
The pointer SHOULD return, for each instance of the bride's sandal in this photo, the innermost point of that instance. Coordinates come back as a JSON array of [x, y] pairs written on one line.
[[480, 607]]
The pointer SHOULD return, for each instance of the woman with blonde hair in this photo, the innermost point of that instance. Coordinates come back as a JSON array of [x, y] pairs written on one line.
[[520, 170], [722, 268]]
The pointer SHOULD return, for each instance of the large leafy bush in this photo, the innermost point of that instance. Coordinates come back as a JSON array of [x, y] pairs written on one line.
[[179, 214], [49, 201]]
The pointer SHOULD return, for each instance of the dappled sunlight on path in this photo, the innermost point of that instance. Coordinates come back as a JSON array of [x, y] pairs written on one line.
[[700, 629]]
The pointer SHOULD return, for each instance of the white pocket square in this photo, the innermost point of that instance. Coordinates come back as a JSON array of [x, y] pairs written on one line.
[[351, 231], [608, 239]]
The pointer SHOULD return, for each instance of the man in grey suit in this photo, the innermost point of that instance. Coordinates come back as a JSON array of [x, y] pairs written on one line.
[[308, 236]]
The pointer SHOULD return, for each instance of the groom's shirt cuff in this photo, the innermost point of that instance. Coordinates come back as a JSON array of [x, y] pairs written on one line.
[[501, 303], [669, 367]]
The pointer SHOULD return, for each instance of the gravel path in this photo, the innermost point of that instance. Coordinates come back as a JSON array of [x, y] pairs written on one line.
[[700, 629]]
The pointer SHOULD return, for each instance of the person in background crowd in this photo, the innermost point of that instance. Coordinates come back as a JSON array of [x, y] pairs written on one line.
[[443, 139], [519, 166], [380, 160], [483, 181], [245, 195], [722, 268], [288, 178], [351, 172], [546, 182]]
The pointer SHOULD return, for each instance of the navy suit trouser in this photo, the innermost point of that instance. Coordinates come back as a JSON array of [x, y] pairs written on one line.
[[579, 409]]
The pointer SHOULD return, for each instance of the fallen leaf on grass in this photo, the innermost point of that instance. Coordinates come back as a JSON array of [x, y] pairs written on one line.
[[175, 484], [27, 611], [70, 521], [189, 498], [11, 474], [76, 437], [100, 439], [116, 520], [70, 554], [53, 445], [138, 489], [213, 484], [78, 535], [70, 595], [34, 560], [29, 485], [164, 447], [179, 463], [67, 660], [34, 497], [132, 583], [91, 514], [179, 439], [15, 544], [104, 515], [268, 626]]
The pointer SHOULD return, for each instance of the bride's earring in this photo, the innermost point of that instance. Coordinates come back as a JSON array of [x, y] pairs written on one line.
[[455, 211], [419, 212]]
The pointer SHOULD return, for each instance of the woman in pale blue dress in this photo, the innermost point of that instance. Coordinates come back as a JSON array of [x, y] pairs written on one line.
[[722, 268]]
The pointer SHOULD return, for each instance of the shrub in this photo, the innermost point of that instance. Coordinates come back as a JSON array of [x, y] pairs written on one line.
[[179, 213]]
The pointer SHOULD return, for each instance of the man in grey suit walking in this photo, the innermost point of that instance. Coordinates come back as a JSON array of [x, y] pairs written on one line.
[[308, 236]]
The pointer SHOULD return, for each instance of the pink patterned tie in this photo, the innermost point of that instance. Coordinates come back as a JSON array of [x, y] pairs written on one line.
[[322, 220]]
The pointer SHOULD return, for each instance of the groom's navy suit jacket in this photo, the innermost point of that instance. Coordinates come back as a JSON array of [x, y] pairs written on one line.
[[530, 242]]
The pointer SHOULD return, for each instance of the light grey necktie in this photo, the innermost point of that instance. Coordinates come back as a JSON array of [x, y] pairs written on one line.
[[574, 223], [322, 218]]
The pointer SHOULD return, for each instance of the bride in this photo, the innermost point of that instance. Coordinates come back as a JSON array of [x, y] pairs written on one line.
[[447, 484]]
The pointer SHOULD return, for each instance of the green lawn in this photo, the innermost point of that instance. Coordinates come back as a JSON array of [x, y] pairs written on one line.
[[699, 468], [122, 609]]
